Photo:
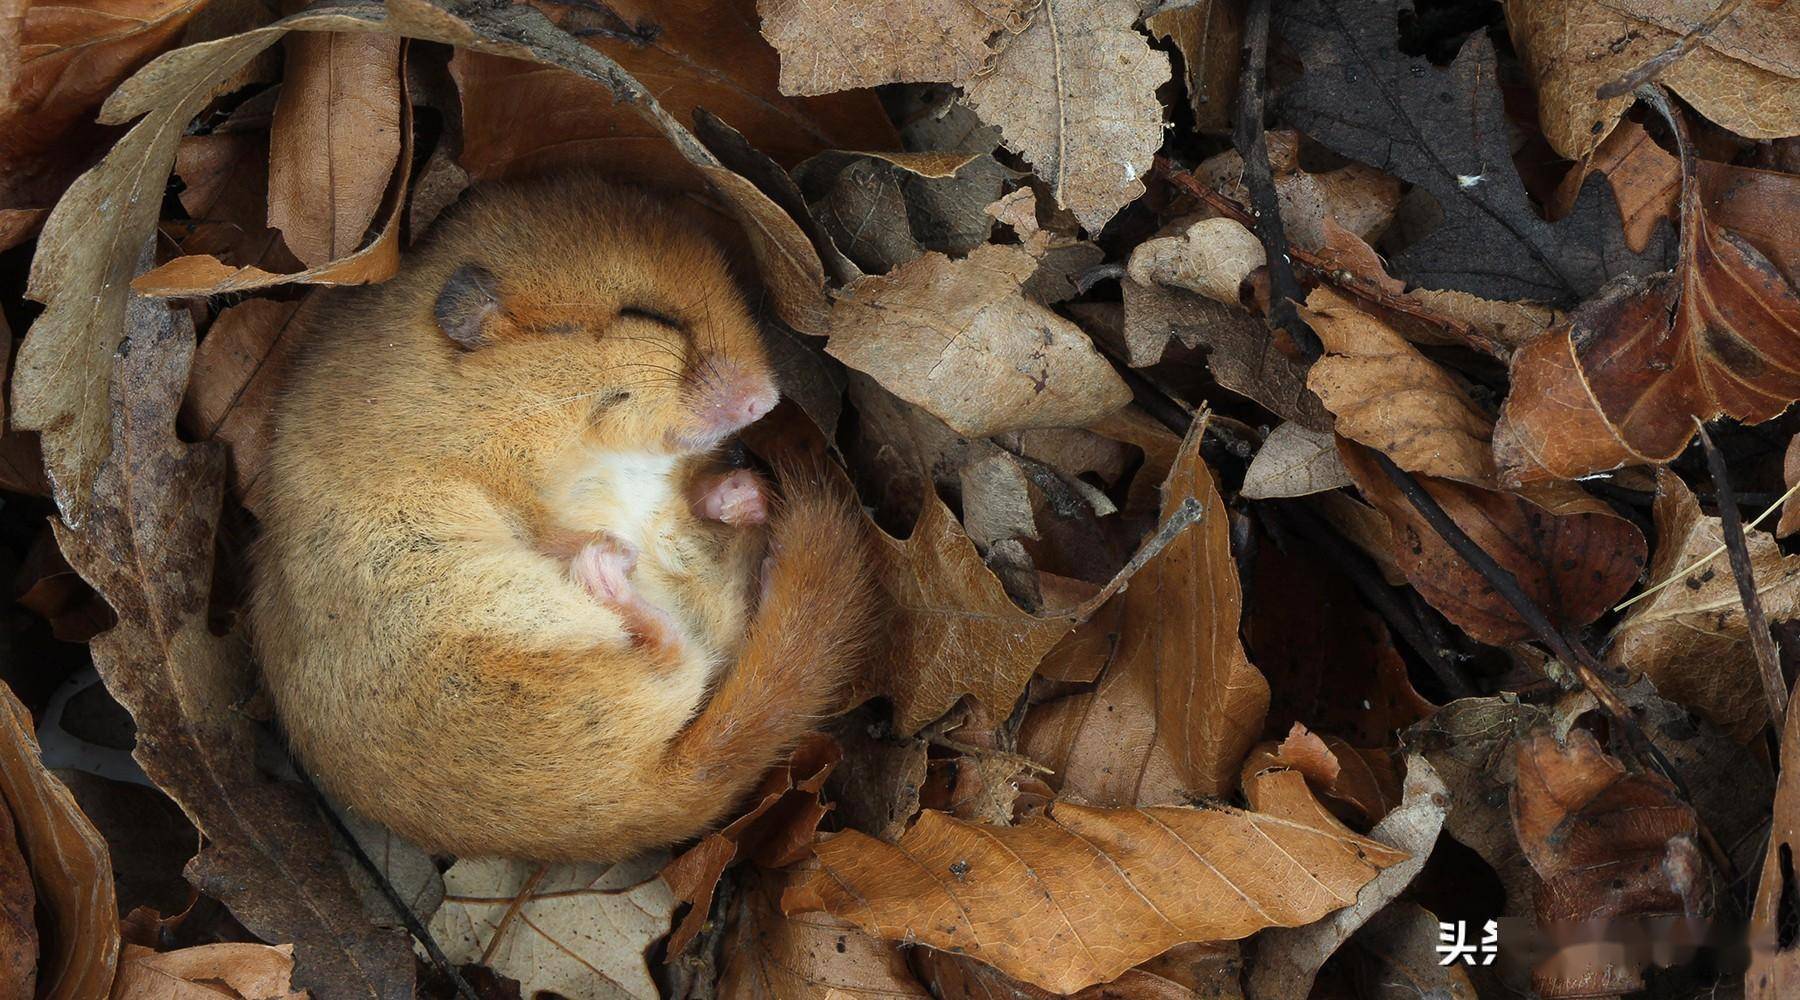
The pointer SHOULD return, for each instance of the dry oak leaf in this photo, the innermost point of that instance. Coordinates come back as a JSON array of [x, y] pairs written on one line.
[[226, 971], [147, 547], [812, 956], [959, 338], [1692, 638], [1774, 969], [1744, 75], [90, 247], [70, 869], [1121, 885], [1390, 397], [866, 43], [580, 930], [1624, 379], [1179, 704], [1074, 93], [1569, 552], [334, 141]]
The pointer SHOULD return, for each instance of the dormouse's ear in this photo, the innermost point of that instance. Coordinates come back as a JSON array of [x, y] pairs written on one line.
[[468, 305]]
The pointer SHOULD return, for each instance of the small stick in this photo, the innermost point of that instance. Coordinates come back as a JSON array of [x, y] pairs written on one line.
[[1762, 643], [1710, 556], [1252, 143], [1653, 67]]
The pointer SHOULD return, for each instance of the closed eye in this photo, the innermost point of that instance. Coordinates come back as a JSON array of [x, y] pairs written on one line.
[[652, 315]]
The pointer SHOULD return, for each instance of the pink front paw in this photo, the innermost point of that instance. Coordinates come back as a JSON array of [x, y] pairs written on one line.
[[604, 568], [735, 498]]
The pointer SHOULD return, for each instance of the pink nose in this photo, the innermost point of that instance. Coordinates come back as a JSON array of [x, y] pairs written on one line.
[[731, 399]]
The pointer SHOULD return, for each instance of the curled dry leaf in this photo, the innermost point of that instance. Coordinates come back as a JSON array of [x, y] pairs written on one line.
[[1623, 381], [1692, 638], [1074, 93], [1356, 198], [1211, 257], [848, 45], [226, 971], [334, 141], [1360, 785], [1124, 884], [1742, 75], [1572, 555], [1606, 844], [1288, 959], [960, 339], [1178, 703], [578, 930], [1392, 398], [147, 547], [1774, 958], [776, 830], [70, 871], [1294, 461], [810, 956], [237, 372]]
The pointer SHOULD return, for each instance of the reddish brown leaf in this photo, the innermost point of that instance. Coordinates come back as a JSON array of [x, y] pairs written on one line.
[[812, 956], [1624, 379], [1774, 953], [1572, 555], [18, 928], [237, 372]]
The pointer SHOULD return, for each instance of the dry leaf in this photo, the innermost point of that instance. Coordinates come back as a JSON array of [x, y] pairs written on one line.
[[1288, 959], [578, 930], [1178, 703], [1404, 939], [1623, 381], [227, 971], [1294, 461], [866, 44], [1691, 638], [1198, 971], [1358, 199], [147, 547], [225, 193], [1743, 75], [71, 873], [1124, 884], [1209, 34], [1392, 398], [237, 373], [1572, 555], [958, 338], [812, 956], [18, 924], [1211, 257], [1774, 960], [1074, 93], [334, 142]]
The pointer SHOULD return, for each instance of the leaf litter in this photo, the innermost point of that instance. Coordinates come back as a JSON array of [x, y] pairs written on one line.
[[1224, 655]]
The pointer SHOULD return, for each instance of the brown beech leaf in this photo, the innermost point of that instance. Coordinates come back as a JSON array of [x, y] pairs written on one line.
[[1123, 885], [777, 829], [1624, 379], [1692, 638], [91, 243], [70, 871], [1742, 74], [958, 338], [1074, 93], [237, 372], [1209, 35], [147, 547], [1606, 844], [866, 44], [578, 930], [1571, 553], [1392, 398], [1288, 958], [60, 61], [334, 142], [1197, 971], [1774, 957], [810, 956], [226, 971], [1178, 703]]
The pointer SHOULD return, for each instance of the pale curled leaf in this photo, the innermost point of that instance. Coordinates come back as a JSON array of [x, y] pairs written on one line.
[[1123, 885], [1211, 257], [226, 971], [1075, 94], [1295, 462]]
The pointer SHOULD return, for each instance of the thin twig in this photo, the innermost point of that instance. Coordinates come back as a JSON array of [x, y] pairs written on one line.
[[1653, 67], [1252, 142], [1762, 643], [1683, 572], [414, 926]]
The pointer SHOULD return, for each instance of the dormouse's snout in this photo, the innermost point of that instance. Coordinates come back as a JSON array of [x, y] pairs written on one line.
[[728, 397]]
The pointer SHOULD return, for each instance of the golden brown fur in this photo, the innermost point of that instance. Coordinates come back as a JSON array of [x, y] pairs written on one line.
[[435, 661]]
